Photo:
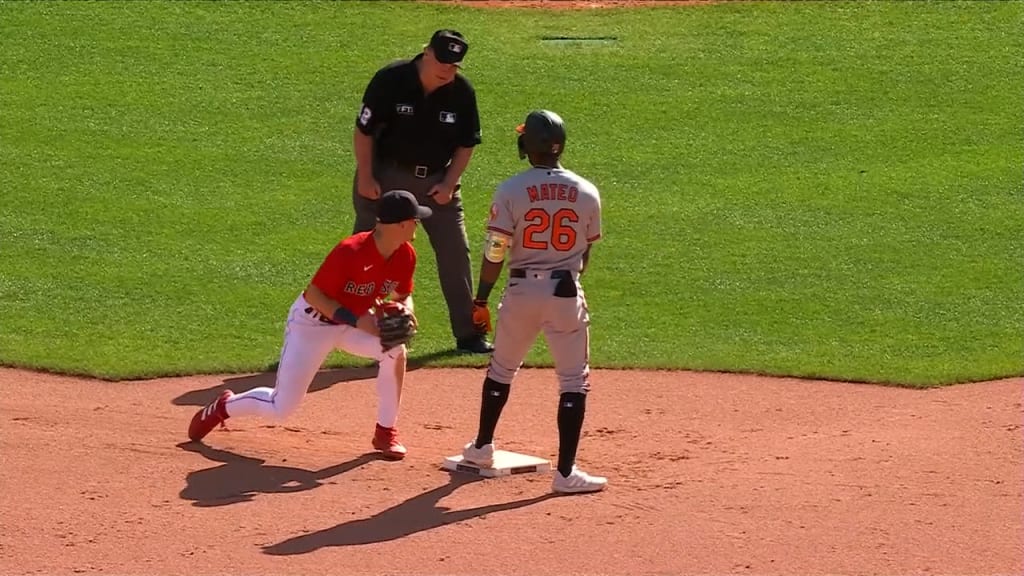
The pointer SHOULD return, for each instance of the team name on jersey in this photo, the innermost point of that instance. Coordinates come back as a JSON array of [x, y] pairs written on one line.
[[552, 191], [367, 288]]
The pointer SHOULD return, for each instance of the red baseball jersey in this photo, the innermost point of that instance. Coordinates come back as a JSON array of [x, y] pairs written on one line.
[[355, 274]]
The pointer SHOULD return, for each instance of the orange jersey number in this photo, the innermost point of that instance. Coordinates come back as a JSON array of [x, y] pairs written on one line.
[[544, 225]]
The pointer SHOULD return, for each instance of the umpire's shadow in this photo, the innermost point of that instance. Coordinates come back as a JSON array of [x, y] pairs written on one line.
[[323, 380], [240, 478], [414, 515]]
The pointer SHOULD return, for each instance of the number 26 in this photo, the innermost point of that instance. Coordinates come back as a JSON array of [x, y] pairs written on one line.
[[557, 226]]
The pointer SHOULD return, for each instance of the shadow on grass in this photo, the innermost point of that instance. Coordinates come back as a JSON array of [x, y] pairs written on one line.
[[241, 478], [416, 514], [323, 380]]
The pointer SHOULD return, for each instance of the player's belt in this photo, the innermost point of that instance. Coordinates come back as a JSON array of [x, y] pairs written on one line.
[[312, 313], [553, 274], [564, 288]]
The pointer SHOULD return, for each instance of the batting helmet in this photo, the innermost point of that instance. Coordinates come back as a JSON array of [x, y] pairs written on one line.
[[542, 133]]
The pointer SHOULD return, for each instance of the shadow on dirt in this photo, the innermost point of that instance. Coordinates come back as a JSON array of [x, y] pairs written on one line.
[[416, 514], [323, 380], [240, 478]]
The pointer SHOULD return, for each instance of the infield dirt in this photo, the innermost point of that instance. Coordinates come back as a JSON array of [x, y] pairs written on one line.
[[709, 473]]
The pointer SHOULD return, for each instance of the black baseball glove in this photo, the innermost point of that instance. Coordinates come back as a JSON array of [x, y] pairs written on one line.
[[397, 326]]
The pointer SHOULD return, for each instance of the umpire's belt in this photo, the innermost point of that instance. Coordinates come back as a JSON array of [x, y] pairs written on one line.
[[538, 274], [314, 314], [417, 170]]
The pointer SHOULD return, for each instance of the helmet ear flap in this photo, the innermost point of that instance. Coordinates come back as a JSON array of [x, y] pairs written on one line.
[[522, 147]]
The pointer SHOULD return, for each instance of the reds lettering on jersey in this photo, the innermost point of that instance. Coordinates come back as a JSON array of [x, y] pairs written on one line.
[[355, 274], [551, 216]]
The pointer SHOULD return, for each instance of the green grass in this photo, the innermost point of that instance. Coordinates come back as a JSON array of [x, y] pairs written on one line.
[[811, 189]]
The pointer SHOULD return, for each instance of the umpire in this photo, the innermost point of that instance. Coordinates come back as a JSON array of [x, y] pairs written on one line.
[[416, 131]]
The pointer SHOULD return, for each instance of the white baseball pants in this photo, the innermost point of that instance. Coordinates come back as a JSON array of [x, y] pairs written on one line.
[[307, 342]]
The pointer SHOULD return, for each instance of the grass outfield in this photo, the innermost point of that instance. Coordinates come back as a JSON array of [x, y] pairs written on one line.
[[812, 189]]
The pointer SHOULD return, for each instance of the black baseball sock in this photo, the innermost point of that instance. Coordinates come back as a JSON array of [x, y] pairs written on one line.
[[571, 407], [492, 400]]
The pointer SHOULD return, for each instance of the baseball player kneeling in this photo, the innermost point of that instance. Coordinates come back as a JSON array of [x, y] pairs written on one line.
[[359, 301], [544, 220]]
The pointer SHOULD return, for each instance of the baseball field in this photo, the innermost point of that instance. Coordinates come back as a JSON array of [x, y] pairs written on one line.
[[807, 307]]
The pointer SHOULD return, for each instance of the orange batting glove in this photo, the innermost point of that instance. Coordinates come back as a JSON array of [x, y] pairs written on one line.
[[481, 316]]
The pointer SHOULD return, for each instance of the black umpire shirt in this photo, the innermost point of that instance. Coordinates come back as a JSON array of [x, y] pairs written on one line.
[[410, 128]]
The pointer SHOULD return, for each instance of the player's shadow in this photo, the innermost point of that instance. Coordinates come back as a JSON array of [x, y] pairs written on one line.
[[323, 380], [417, 361], [241, 478], [416, 514]]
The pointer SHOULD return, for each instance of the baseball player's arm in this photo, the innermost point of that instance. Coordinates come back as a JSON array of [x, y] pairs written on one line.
[[491, 265], [329, 307], [403, 299], [489, 272], [586, 258], [593, 229]]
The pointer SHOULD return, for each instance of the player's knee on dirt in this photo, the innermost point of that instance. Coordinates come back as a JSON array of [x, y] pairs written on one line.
[[285, 405]]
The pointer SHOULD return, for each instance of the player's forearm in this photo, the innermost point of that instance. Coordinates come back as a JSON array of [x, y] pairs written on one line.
[[363, 147], [329, 307], [493, 260], [460, 160], [489, 272], [405, 300]]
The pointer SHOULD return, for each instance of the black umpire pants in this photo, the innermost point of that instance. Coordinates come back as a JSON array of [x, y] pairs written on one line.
[[446, 229]]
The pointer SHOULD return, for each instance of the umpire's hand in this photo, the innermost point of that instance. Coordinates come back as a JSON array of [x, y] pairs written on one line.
[[368, 187], [443, 192]]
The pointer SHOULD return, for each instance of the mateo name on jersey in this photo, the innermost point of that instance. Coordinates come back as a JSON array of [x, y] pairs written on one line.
[[553, 191]]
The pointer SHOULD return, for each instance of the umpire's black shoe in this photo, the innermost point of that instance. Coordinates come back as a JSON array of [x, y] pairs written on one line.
[[474, 345]]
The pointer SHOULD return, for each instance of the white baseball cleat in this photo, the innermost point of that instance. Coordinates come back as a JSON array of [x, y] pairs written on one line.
[[577, 482], [482, 456]]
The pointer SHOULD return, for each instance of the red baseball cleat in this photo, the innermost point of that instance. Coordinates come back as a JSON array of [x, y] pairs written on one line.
[[386, 440], [207, 419]]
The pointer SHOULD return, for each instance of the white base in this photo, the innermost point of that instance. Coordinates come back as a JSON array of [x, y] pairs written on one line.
[[505, 464]]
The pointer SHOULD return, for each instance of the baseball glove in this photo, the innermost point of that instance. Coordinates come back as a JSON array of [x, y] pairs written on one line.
[[396, 324]]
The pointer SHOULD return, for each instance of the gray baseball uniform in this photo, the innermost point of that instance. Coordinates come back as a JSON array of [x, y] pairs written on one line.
[[551, 215]]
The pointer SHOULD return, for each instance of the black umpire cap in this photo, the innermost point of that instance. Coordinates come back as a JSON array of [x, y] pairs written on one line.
[[398, 206], [449, 46]]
